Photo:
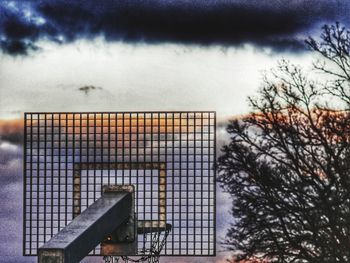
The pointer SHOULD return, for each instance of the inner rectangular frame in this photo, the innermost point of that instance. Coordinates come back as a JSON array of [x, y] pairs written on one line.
[[143, 226], [185, 141]]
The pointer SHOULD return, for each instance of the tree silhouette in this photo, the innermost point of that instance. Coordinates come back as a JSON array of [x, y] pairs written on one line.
[[287, 165]]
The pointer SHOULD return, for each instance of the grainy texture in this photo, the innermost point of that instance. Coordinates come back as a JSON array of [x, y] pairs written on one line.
[[168, 156]]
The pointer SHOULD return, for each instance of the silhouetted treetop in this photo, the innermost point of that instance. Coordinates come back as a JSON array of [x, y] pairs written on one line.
[[287, 165]]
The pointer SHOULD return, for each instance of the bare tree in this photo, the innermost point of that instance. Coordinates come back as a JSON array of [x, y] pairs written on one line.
[[287, 165]]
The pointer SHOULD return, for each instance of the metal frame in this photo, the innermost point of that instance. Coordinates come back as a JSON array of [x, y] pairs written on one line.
[[184, 141], [78, 238]]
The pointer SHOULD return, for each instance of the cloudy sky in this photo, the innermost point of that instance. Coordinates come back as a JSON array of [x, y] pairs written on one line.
[[139, 55]]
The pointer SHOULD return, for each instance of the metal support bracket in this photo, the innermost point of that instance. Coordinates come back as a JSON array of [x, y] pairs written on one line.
[[123, 240], [85, 232]]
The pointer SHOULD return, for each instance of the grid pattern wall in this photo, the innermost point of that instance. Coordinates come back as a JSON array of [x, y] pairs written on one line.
[[122, 148]]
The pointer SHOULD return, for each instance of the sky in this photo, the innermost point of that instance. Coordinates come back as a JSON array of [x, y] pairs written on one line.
[[140, 56]]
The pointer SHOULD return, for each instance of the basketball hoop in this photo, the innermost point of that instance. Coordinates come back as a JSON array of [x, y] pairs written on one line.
[[151, 254], [125, 186]]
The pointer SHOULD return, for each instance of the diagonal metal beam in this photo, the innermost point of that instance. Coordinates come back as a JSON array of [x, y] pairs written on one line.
[[87, 230]]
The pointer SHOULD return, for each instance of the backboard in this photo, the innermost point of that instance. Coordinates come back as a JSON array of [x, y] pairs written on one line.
[[167, 156]]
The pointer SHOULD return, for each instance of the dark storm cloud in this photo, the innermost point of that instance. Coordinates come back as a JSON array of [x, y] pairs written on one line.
[[275, 24]]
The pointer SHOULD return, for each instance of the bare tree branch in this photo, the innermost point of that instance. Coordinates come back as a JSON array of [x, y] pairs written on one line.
[[287, 165]]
